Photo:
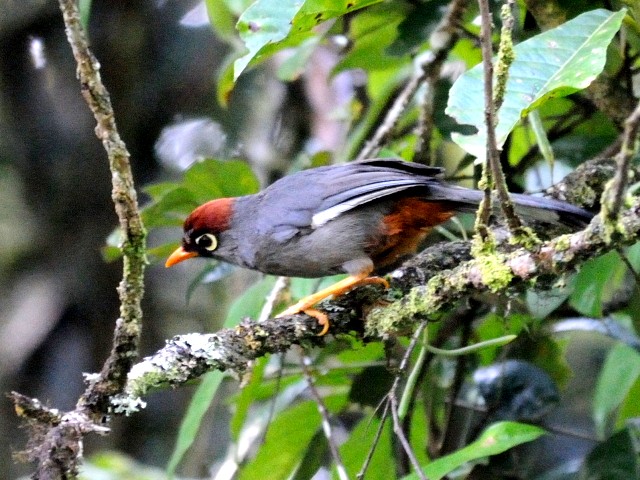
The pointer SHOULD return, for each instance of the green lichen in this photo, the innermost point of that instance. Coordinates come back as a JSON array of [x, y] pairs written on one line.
[[506, 56], [495, 274], [481, 246], [526, 238], [562, 243]]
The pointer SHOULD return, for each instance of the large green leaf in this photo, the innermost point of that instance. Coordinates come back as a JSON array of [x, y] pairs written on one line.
[[555, 63], [250, 303], [620, 371], [497, 438], [357, 446], [287, 439], [372, 33], [190, 425], [271, 25], [597, 281]]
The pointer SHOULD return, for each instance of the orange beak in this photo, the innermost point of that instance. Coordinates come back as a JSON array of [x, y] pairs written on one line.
[[179, 255]]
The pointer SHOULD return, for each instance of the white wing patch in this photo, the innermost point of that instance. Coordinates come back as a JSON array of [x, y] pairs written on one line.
[[324, 216]]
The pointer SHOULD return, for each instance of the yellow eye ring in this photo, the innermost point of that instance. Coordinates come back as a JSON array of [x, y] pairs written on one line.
[[207, 241]]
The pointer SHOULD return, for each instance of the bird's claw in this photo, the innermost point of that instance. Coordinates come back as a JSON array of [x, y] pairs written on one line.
[[322, 318]]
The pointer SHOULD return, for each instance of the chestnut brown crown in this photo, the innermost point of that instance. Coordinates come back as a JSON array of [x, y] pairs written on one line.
[[201, 229]]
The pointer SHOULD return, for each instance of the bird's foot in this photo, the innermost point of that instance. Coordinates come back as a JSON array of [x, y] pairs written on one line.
[[337, 289], [303, 307]]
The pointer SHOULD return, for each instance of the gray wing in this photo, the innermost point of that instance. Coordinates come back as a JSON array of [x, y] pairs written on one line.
[[357, 184], [314, 197]]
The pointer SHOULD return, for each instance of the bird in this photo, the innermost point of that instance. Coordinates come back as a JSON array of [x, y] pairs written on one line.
[[357, 218]]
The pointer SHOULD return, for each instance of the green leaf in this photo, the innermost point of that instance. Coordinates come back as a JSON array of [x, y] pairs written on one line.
[[190, 425], [287, 439], [250, 303], [84, 7], [620, 371], [555, 63], [633, 255], [615, 459], [630, 407], [415, 28], [497, 438], [222, 20], [597, 281], [170, 209], [372, 32], [161, 252], [317, 450], [541, 303], [112, 465], [212, 178], [268, 26], [357, 446]]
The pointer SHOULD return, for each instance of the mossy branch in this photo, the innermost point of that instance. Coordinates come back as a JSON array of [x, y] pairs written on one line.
[[128, 327], [492, 176], [57, 437]]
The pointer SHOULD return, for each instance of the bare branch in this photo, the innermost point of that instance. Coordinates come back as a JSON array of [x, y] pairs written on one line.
[[393, 402], [376, 439], [427, 65]]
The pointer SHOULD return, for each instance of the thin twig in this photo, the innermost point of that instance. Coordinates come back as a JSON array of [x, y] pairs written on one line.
[[616, 192], [397, 429], [393, 401], [426, 65], [423, 153], [506, 55], [326, 419], [273, 297], [443, 38], [376, 439], [496, 178]]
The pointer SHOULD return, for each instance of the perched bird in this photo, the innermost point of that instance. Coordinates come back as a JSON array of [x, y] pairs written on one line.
[[354, 218]]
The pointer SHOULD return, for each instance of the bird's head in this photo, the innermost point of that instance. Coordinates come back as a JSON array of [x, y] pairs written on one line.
[[202, 229]]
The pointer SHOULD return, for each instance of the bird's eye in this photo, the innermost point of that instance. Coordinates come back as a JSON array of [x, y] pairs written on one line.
[[207, 241]]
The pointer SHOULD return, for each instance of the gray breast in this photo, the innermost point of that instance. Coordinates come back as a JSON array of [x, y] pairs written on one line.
[[308, 252]]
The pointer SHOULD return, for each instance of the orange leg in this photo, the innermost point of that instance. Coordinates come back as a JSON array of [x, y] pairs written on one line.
[[338, 288]]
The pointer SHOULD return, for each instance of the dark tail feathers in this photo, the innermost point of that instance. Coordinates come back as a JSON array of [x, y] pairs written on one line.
[[528, 207]]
